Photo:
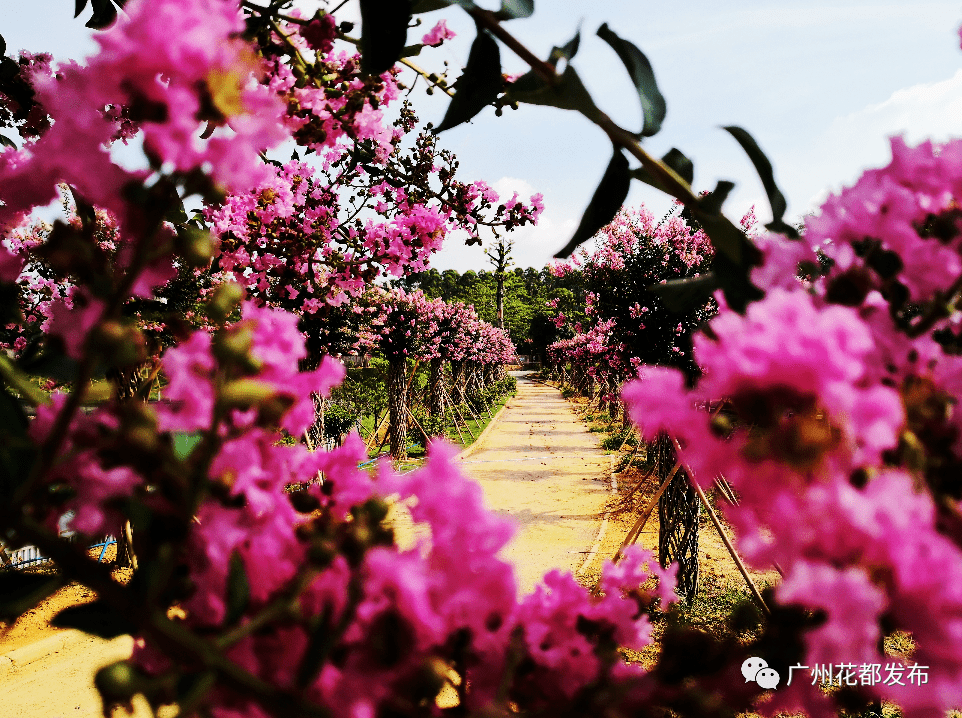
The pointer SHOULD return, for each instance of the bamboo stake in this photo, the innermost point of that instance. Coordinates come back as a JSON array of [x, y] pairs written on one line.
[[728, 544], [377, 428], [444, 397], [643, 519], [407, 389], [458, 412], [418, 425]]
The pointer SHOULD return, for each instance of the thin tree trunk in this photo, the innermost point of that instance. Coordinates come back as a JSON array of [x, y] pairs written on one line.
[[397, 401], [436, 381], [458, 381], [127, 381]]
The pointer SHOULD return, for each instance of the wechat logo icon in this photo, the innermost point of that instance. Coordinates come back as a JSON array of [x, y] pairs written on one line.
[[756, 669]]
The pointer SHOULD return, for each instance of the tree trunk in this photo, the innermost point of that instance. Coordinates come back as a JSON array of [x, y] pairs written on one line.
[[436, 388], [397, 398], [459, 380], [499, 297], [127, 381]]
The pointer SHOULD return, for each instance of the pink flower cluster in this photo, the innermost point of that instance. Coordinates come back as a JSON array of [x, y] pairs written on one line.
[[402, 324], [438, 34], [198, 74], [417, 601], [910, 208], [832, 417]]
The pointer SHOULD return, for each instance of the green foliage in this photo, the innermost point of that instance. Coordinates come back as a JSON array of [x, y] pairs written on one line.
[[623, 437], [605, 202], [480, 84], [97, 618], [765, 172], [362, 393], [659, 336], [384, 29], [653, 105], [104, 14]]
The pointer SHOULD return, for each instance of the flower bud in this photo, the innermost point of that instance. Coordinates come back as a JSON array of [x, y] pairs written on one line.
[[195, 245], [120, 343], [245, 393], [234, 346], [225, 300], [117, 683]]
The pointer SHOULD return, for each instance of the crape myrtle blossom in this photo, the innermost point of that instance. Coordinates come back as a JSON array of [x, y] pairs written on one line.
[[833, 402], [402, 324], [291, 243], [246, 520], [438, 34], [198, 73], [292, 585], [901, 223], [626, 324], [452, 584]]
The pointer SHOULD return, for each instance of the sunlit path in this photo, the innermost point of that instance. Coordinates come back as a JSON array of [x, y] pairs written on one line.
[[541, 466]]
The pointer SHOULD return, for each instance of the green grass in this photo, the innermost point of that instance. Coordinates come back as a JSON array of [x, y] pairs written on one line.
[[713, 606], [463, 440]]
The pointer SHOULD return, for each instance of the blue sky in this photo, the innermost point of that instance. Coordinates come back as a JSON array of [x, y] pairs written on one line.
[[819, 85]]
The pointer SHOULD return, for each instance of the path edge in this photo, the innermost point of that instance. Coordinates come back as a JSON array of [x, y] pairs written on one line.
[[17, 659], [593, 552], [468, 450]]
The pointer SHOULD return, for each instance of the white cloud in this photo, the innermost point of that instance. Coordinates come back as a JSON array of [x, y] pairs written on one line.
[[857, 141]]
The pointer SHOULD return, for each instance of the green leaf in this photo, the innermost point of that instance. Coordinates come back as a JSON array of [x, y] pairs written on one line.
[[478, 86], [764, 168], [712, 202], [85, 210], [384, 30], [643, 175], [512, 9], [97, 618], [653, 104], [14, 377], [238, 591], [569, 93], [19, 592], [681, 165], [605, 202], [7, 142], [184, 443], [421, 6], [735, 254], [681, 295], [104, 15], [735, 280], [726, 237], [566, 51], [50, 362], [79, 6], [13, 419], [176, 214]]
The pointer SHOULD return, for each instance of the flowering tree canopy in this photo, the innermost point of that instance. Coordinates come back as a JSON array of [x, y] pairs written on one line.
[[835, 381]]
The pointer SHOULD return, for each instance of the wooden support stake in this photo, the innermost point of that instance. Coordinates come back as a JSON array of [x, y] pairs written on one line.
[[728, 544], [420, 428], [377, 427], [457, 411], [646, 514]]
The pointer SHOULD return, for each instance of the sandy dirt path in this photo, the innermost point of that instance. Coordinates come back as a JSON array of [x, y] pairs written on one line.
[[540, 466]]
